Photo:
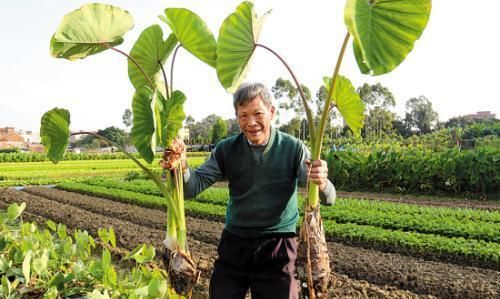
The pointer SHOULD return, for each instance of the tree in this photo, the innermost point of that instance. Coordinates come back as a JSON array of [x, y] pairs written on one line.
[[200, 132], [189, 122], [459, 121], [127, 118], [377, 100], [219, 130], [292, 127], [114, 134], [333, 115], [233, 128], [420, 115], [284, 88]]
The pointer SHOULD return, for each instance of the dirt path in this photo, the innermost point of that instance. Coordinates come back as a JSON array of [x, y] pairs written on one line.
[[387, 275]]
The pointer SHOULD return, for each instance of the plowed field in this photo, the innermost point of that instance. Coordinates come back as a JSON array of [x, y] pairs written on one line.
[[359, 272]]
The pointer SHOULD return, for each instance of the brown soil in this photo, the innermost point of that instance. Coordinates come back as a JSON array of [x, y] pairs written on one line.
[[490, 205], [360, 273]]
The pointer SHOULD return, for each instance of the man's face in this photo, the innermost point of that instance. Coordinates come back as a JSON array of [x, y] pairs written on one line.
[[255, 119]]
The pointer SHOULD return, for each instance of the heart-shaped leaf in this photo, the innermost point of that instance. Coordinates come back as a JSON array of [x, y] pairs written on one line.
[[348, 103], [90, 30], [192, 32], [149, 51], [54, 131], [143, 128], [384, 32], [235, 45]]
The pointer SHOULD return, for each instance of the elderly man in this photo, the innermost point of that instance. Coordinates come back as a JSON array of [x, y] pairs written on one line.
[[263, 167]]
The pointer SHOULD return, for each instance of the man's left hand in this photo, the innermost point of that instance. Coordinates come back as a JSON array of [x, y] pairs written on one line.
[[317, 172]]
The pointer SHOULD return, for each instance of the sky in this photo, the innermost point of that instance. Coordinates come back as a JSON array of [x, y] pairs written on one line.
[[454, 64]]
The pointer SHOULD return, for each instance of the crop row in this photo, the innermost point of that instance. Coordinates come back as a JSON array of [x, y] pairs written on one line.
[[417, 170], [358, 208], [39, 157], [31, 173], [413, 241]]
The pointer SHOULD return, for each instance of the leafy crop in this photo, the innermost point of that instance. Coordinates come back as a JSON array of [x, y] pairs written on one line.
[[53, 263]]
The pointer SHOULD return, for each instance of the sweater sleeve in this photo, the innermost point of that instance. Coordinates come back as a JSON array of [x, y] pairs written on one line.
[[327, 196], [199, 179]]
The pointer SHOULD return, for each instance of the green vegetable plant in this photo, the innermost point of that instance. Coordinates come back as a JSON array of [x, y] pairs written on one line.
[[157, 107], [384, 32]]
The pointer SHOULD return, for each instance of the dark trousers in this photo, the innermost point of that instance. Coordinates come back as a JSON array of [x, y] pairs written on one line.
[[266, 266]]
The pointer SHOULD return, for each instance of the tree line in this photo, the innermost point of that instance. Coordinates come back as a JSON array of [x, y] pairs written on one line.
[[380, 120]]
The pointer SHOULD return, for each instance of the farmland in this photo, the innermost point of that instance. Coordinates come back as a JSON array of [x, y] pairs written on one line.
[[379, 247]]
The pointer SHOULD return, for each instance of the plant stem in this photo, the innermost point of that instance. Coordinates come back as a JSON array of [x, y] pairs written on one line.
[[181, 225], [312, 129], [313, 198], [153, 176], [164, 79], [135, 62], [172, 67]]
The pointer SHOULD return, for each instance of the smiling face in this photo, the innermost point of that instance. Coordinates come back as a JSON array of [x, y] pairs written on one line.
[[254, 118]]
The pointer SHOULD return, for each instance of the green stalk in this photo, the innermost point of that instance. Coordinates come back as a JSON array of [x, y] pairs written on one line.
[[179, 190], [171, 219], [309, 116], [156, 179], [313, 198]]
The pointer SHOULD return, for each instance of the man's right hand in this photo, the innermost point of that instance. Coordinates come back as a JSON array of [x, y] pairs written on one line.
[[174, 156]]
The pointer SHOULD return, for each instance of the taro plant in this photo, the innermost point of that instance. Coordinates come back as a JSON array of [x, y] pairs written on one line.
[[384, 32], [156, 106]]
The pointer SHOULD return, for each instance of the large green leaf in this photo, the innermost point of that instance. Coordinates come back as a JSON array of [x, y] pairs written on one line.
[[236, 43], [143, 128], [348, 103], [192, 32], [384, 31], [174, 115], [54, 131], [85, 31], [160, 118], [149, 51]]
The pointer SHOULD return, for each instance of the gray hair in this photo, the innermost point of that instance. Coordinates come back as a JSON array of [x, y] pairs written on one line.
[[248, 91]]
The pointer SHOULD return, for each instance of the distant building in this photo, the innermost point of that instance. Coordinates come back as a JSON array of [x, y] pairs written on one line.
[[26, 140], [29, 136], [482, 115], [10, 138]]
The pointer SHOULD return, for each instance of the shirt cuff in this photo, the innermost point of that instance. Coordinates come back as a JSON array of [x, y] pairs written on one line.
[[187, 175], [327, 197]]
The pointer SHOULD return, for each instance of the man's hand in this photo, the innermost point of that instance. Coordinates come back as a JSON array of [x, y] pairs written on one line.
[[175, 155], [317, 172]]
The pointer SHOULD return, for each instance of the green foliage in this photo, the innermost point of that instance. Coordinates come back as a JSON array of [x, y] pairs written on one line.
[[55, 264], [54, 132], [192, 33], [149, 51], [238, 35], [143, 130], [114, 134], [90, 30], [219, 130], [384, 31], [348, 102], [417, 170], [420, 115]]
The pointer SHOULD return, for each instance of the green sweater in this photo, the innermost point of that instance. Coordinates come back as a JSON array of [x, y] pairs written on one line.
[[262, 186], [262, 183]]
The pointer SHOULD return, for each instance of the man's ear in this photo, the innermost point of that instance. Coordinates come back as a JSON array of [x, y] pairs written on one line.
[[273, 110]]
